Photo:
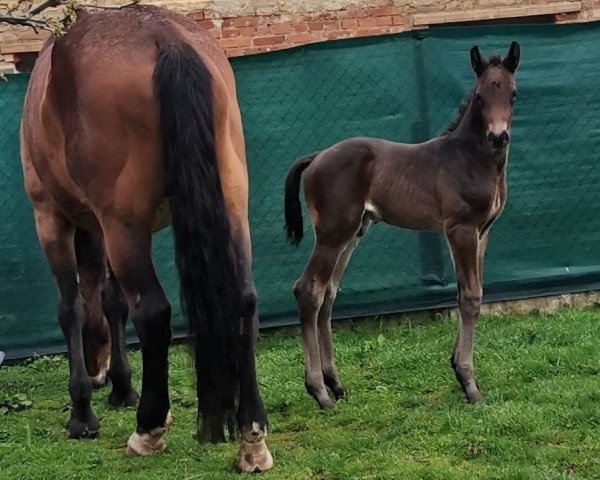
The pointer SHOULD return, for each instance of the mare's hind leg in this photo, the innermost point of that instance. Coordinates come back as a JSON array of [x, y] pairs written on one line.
[[96, 335], [115, 310], [330, 375], [251, 416], [310, 292], [464, 243], [129, 252], [56, 234]]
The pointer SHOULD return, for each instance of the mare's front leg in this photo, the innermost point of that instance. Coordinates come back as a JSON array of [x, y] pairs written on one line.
[[116, 311], [56, 235], [464, 244], [96, 335]]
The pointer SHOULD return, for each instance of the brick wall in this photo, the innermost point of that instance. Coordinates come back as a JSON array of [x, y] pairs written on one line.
[[245, 27]]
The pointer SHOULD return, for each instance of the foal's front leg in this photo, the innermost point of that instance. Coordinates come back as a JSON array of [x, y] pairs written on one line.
[[464, 243]]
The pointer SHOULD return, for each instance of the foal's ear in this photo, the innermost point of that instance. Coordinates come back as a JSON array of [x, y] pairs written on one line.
[[477, 61], [511, 62]]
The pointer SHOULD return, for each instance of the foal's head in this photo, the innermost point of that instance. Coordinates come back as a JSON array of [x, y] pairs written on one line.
[[495, 94]]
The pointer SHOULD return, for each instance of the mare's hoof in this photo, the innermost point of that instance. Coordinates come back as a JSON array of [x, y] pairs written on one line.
[[144, 444], [78, 429], [254, 457]]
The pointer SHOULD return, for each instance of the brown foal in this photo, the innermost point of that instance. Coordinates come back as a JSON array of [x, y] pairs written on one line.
[[131, 122], [455, 184]]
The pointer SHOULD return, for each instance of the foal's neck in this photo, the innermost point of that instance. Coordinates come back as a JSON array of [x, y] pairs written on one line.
[[471, 135]]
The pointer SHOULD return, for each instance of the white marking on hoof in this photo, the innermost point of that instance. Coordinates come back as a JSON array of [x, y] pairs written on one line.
[[254, 457], [142, 445], [169, 420]]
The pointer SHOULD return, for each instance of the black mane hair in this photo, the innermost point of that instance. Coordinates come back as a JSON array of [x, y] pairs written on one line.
[[464, 104]]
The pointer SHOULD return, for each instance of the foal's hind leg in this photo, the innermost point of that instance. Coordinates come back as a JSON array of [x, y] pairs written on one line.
[[464, 243], [96, 336], [129, 251], [330, 374], [115, 309], [56, 234], [310, 292]]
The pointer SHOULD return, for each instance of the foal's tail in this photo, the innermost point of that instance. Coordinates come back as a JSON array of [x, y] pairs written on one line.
[[293, 210], [209, 285]]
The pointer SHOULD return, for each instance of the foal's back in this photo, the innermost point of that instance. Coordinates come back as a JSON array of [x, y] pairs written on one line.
[[393, 182]]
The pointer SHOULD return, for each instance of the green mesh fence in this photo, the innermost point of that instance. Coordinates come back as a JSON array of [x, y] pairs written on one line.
[[402, 87]]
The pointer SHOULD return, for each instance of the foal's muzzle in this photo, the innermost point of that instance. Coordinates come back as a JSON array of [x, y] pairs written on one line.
[[498, 141]]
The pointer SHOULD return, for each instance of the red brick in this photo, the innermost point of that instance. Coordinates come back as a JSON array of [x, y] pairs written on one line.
[[196, 16], [264, 30], [342, 34], [235, 42], [350, 23], [384, 11], [247, 31], [215, 33], [315, 26], [301, 26], [333, 25], [367, 32], [281, 29], [264, 41], [230, 32], [206, 24], [241, 22], [304, 37], [355, 13], [398, 20], [367, 22], [383, 21]]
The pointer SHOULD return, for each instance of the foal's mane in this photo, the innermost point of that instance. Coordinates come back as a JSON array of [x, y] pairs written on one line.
[[462, 108]]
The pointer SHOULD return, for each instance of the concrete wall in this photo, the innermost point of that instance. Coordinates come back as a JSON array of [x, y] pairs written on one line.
[[245, 27]]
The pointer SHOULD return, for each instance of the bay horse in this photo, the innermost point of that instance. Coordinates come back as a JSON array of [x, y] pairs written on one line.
[[131, 123], [455, 184]]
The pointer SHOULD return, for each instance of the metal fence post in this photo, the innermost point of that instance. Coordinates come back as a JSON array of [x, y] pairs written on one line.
[[430, 243]]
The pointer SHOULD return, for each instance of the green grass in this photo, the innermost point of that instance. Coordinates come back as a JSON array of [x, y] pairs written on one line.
[[406, 417]]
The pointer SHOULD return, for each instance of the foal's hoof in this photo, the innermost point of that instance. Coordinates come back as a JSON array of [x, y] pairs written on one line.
[[123, 400], [78, 429], [340, 393], [144, 444], [472, 392], [254, 457], [326, 403]]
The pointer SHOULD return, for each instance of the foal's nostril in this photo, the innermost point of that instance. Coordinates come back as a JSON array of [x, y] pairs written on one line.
[[498, 140], [254, 433]]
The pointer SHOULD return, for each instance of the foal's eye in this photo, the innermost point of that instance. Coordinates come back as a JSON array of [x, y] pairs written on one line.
[[513, 97], [479, 99]]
